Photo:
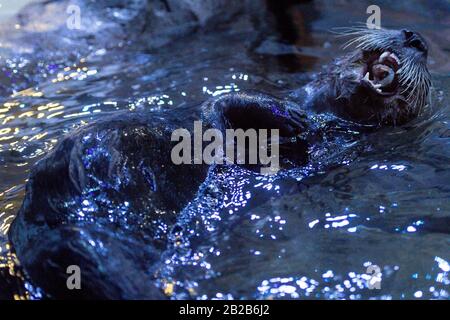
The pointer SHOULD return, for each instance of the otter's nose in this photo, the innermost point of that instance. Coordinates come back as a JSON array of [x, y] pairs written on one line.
[[415, 40]]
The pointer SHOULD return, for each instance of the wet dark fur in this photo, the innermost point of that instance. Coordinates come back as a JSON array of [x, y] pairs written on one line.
[[126, 159]]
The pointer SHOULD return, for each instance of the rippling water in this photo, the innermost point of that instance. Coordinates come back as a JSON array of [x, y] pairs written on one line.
[[299, 236]]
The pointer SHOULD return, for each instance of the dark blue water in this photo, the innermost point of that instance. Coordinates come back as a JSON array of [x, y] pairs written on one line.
[[389, 207]]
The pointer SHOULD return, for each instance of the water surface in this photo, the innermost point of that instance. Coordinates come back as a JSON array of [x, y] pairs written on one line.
[[317, 235]]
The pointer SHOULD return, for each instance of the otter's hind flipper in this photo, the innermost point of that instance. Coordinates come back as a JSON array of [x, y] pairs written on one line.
[[110, 266]]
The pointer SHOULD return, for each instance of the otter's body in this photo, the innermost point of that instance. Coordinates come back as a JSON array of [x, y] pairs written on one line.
[[107, 198]]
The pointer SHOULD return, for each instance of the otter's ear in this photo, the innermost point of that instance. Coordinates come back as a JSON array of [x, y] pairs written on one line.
[[256, 111]]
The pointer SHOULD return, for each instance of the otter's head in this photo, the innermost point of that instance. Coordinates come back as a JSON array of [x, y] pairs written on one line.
[[385, 80]]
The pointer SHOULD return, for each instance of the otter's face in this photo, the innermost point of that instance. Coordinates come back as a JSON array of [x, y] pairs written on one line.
[[386, 80]]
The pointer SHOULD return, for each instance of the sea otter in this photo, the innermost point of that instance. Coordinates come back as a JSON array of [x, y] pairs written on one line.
[[107, 197]]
